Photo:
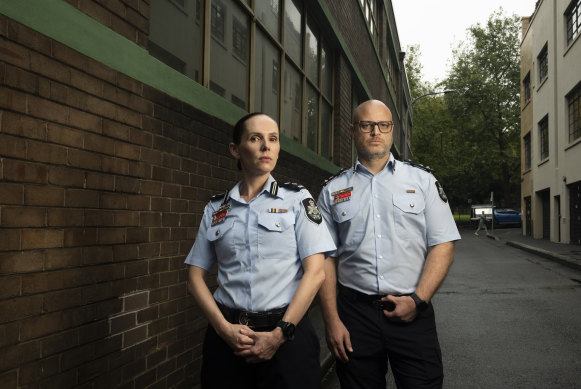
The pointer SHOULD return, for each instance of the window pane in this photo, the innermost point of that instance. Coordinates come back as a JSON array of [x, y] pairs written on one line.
[[326, 125], [229, 52], [327, 72], [312, 117], [312, 59], [293, 90], [268, 12], [292, 30], [175, 35], [266, 76]]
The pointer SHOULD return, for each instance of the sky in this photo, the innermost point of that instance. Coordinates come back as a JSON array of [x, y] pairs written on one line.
[[438, 26]]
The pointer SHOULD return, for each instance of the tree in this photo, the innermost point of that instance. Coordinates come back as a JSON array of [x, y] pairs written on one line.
[[473, 137]]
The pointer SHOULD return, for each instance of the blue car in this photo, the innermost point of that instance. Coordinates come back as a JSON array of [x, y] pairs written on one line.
[[507, 216]]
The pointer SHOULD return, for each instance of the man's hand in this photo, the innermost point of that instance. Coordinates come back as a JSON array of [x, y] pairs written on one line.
[[265, 345], [338, 340], [405, 309]]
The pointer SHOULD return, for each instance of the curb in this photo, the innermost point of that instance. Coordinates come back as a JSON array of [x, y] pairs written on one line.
[[546, 254]]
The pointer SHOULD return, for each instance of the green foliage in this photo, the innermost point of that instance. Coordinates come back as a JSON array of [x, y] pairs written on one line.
[[471, 138]]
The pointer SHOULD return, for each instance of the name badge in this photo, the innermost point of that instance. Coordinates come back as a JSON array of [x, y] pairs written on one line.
[[220, 215], [342, 195]]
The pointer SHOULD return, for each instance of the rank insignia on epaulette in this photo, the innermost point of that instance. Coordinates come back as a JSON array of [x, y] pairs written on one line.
[[342, 195], [277, 210], [220, 215], [333, 176], [313, 213], [441, 192]]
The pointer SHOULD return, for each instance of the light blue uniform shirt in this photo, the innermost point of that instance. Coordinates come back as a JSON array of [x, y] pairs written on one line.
[[383, 225], [259, 246]]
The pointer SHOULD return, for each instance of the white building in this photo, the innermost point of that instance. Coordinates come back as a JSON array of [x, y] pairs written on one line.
[[551, 121]]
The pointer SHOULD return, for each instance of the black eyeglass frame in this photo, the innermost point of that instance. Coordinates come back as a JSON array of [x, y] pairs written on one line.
[[388, 123]]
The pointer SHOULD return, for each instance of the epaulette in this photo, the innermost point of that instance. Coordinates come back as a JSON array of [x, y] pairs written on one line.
[[334, 176], [219, 196], [292, 186], [419, 166]]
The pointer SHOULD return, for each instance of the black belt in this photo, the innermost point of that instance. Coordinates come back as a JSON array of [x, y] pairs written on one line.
[[258, 321], [373, 299]]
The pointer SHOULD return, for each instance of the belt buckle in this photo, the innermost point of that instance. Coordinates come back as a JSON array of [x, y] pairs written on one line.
[[243, 318]]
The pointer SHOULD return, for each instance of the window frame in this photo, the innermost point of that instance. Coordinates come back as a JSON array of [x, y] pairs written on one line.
[[574, 113], [573, 21], [544, 138], [543, 63]]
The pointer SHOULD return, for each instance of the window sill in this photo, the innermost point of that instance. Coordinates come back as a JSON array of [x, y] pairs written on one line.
[[573, 144], [544, 161]]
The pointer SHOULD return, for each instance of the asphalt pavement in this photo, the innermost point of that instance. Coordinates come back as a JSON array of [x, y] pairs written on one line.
[[507, 319]]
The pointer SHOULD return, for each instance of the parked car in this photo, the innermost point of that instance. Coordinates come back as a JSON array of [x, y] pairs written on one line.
[[507, 216]]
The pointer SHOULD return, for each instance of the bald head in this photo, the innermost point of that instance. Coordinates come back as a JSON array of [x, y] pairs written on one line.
[[367, 106]]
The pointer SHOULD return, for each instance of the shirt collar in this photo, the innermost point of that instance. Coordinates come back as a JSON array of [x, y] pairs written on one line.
[[389, 166], [235, 192]]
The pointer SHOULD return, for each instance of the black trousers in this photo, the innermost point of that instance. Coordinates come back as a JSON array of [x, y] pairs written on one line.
[[412, 349], [294, 366]]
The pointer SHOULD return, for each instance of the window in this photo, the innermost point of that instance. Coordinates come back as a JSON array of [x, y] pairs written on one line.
[[544, 137], [527, 87], [527, 147], [573, 15], [574, 103], [543, 61], [291, 80], [370, 13]]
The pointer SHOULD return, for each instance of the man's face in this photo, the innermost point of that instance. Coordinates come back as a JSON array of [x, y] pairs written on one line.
[[374, 144]]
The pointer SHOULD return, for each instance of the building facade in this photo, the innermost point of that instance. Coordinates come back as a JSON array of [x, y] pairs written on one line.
[[115, 117], [551, 121]]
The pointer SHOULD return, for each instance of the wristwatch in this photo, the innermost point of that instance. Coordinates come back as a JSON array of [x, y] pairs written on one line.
[[421, 305], [288, 329]]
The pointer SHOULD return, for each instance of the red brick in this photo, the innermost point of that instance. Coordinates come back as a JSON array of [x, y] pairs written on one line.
[[86, 82], [116, 95], [134, 336], [137, 235], [141, 105], [65, 135], [16, 124], [23, 217], [99, 144], [25, 171], [126, 150], [38, 239], [122, 27], [126, 219], [85, 121], [150, 188], [10, 289], [20, 307], [111, 236], [140, 137], [38, 370], [69, 56], [138, 203], [140, 169], [19, 354], [46, 152], [20, 79], [77, 356], [62, 258], [116, 166], [10, 239], [65, 176], [159, 235], [116, 130], [99, 181], [80, 237], [81, 198], [101, 107], [48, 110], [129, 252], [57, 343], [127, 184], [11, 193], [149, 250], [113, 200], [129, 117], [122, 323], [44, 195], [98, 218], [161, 204], [61, 300], [11, 146], [21, 262], [98, 254], [14, 54], [65, 217]]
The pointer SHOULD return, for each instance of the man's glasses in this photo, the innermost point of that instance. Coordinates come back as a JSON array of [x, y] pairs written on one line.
[[384, 127]]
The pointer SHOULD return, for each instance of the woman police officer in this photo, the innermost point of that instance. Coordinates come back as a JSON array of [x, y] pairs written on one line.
[[269, 244]]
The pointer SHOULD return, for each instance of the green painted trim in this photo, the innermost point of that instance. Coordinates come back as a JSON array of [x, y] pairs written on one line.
[[64, 23]]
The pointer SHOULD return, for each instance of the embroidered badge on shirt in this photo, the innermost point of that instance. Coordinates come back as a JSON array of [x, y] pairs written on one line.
[[277, 210], [313, 213], [342, 195], [441, 192], [220, 215], [410, 191]]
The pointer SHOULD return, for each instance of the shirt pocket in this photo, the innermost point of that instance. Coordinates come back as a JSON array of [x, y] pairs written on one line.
[[220, 237], [408, 213], [276, 235], [350, 224], [345, 211]]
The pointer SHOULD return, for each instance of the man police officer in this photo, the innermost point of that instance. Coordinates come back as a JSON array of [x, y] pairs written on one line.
[[395, 234]]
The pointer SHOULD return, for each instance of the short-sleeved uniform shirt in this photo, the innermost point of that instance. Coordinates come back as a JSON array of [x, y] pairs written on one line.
[[259, 246], [383, 225]]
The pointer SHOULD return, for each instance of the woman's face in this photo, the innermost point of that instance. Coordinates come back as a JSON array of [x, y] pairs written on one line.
[[259, 145]]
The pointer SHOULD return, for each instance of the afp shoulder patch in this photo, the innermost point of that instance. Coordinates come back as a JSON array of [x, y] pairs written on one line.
[[441, 192], [311, 210], [333, 176]]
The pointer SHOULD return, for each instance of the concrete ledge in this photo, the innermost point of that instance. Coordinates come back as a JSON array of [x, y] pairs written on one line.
[[547, 254]]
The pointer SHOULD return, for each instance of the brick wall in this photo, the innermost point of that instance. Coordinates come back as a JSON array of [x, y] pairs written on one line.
[[103, 183]]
